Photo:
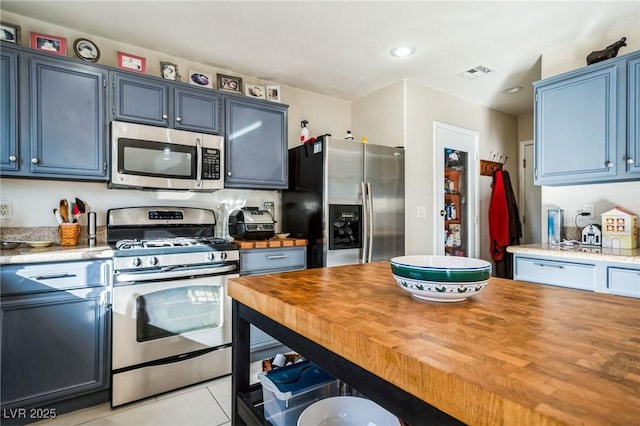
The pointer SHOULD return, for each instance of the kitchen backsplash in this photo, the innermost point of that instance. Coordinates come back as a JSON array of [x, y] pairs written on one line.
[[33, 201]]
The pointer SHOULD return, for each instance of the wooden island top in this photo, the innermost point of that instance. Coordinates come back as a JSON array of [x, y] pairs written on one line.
[[517, 353]]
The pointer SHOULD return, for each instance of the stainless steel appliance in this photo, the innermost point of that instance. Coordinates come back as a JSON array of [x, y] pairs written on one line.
[[171, 312], [251, 223], [159, 158], [347, 199]]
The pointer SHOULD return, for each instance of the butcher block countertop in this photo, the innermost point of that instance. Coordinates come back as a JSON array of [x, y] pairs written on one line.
[[518, 353], [272, 243]]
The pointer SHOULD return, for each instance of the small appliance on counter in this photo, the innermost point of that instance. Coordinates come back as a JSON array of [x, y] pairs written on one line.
[[251, 223]]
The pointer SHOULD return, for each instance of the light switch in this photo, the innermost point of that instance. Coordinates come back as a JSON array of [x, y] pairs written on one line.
[[422, 212]]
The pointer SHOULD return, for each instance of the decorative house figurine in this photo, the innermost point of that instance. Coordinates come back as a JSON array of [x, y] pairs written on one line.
[[591, 235], [619, 229]]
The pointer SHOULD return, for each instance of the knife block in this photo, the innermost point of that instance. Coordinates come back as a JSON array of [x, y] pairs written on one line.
[[69, 233]]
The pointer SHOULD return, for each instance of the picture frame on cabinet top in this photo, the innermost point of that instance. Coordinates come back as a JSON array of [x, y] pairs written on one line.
[[169, 71], [202, 79], [10, 33], [49, 43], [273, 93], [86, 50], [229, 83], [129, 62], [255, 91]]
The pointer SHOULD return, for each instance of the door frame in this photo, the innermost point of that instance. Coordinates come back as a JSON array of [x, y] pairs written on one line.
[[473, 209], [525, 195]]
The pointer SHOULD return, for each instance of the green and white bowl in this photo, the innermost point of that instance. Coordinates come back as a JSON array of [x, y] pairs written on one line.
[[441, 278]]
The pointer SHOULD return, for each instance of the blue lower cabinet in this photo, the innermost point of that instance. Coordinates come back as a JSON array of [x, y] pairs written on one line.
[[268, 261], [54, 336]]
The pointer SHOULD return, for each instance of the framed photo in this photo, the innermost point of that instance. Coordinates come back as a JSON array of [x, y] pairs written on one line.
[[199, 78], [169, 71], [86, 49], [230, 83], [130, 62], [49, 43], [9, 32], [255, 91], [273, 93]]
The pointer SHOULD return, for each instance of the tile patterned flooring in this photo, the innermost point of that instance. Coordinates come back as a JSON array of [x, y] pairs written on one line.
[[207, 403]]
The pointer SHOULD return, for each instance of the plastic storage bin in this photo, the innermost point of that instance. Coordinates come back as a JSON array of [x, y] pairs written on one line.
[[287, 391]]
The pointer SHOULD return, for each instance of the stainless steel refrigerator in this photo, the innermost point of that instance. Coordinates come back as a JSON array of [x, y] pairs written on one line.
[[347, 199]]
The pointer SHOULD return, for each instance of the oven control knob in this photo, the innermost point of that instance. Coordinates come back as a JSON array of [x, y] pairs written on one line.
[[223, 255], [136, 262], [153, 261]]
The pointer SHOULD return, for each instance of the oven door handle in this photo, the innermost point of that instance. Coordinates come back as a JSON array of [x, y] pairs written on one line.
[[181, 273]]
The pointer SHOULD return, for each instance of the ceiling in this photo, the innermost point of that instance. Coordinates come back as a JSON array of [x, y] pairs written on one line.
[[341, 48]]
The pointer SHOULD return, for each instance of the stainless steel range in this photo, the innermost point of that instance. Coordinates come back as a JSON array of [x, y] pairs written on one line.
[[171, 312]]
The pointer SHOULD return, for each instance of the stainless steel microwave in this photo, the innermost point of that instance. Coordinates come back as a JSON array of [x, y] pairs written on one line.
[[148, 157]]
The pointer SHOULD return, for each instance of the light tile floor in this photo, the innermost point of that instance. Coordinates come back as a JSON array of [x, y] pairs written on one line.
[[207, 403]]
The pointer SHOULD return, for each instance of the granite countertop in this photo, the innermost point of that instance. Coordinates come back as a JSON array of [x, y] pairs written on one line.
[[599, 254], [56, 253], [518, 353]]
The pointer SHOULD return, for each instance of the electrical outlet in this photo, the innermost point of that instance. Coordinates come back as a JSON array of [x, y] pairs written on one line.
[[589, 209], [5, 209]]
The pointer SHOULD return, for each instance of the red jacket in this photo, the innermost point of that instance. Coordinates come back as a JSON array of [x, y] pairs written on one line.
[[498, 218]]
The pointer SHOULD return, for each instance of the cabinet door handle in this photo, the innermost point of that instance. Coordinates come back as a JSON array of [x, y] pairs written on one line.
[[165, 116], [629, 161], [278, 256], [53, 276], [13, 158], [609, 165], [228, 173], [178, 119], [546, 265], [34, 161]]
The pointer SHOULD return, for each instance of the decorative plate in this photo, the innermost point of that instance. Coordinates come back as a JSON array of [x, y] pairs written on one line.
[[86, 50]]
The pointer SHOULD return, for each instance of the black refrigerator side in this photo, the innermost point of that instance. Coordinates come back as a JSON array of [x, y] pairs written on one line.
[[302, 202]]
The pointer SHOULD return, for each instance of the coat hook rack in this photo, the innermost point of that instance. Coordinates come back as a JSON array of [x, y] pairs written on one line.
[[489, 167]]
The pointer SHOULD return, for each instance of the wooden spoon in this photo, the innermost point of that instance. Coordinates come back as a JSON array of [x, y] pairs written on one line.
[[64, 210]]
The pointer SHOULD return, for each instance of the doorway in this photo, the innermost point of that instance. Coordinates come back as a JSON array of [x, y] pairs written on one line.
[[456, 192], [530, 197]]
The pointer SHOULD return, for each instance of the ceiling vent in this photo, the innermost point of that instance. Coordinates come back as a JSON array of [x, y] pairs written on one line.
[[475, 72]]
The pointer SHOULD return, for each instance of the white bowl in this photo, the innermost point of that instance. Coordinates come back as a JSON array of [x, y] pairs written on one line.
[[346, 410], [438, 291], [282, 236]]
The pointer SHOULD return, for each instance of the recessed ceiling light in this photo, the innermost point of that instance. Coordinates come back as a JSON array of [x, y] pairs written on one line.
[[514, 89], [403, 51]]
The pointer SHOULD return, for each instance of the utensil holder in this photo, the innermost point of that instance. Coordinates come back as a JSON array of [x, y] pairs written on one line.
[[69, 233]]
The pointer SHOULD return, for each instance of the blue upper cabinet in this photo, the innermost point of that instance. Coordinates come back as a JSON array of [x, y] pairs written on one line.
[[256, 148], [8, 111], [140, 99], [197, 110], [149, 100], [582, 124], [60, 109], [633, 159]]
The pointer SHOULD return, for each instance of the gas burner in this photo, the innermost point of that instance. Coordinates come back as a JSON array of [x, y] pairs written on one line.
[[131, 244]]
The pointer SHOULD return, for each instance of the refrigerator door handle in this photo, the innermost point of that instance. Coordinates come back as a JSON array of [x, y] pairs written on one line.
[[370, 220], [365, 223]]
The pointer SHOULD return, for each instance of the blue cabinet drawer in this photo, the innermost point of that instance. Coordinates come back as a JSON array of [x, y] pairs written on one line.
[[260, 261], [47, 277], [565, 274], [623, 281]]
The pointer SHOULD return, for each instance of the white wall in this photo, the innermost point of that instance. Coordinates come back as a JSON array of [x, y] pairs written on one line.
[[604, 196], [33, 200], [412, 109]]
